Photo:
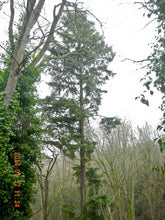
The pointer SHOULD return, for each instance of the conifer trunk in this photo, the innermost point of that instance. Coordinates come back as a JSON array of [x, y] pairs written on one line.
[[82, 156]]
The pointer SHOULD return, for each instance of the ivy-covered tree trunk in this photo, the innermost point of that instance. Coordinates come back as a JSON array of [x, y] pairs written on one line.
[[11, 84], [30, 19]]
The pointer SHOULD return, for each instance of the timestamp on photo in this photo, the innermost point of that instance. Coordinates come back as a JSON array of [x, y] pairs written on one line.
[[17, 172]]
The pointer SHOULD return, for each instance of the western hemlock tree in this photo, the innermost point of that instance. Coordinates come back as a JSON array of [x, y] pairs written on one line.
[[76, 85]]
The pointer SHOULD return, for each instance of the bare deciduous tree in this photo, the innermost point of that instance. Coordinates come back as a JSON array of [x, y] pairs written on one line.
[[44, 181], [32, 14]]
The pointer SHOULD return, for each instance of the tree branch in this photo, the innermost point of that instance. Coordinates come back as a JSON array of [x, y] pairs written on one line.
[[2, 3], [46, 58], [50, 167], [11, 23], [9, 54], [135, 61], [144, 5], [51, 34], [22, 40], [19, 50]]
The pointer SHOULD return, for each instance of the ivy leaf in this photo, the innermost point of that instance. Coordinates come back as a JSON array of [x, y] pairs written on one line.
[[144, 101], [161, 144]]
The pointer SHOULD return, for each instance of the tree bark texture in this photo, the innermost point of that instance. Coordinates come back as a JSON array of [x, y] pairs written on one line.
[[45, 208], [30, 19], [82, 157]]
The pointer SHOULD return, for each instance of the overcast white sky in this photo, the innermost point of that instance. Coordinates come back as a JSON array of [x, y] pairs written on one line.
[[124, 30]]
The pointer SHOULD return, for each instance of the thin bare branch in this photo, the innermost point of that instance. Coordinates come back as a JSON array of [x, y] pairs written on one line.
[[149, 23], [9, 54], [136, 61], [51, 33], [2, 3], [51, 167], [31, 52], [22, 40], [19, 50], [46, 58], [144, 5]]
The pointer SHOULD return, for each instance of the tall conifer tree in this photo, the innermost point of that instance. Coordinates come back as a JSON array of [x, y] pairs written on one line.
[[76, 87]]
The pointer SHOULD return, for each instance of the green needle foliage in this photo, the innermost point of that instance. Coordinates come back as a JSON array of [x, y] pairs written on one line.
[[87, 63], [110, 123], [62, 129], [96, 202], [77, 78]]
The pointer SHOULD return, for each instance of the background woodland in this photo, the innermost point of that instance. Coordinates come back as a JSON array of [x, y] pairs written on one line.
[[67, 168]]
